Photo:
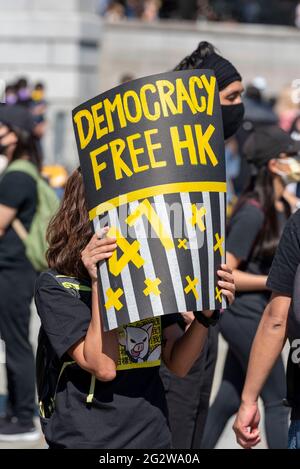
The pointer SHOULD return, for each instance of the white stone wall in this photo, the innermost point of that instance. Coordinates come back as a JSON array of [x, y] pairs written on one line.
[[143, 49]]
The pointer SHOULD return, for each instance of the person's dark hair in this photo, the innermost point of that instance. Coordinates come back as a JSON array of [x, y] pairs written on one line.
[[261, 192], [195, 60], [295, 125], [39, 86], [27, 145], [70, 231]]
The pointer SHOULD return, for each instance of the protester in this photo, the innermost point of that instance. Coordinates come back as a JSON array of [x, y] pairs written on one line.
[[89, 396], [253, 235], [23, 92], [38, 105], [188, 416], [274, 327], [18, 198]]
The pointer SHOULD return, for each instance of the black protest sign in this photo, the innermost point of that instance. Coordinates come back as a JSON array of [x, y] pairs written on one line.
[[152, 158]]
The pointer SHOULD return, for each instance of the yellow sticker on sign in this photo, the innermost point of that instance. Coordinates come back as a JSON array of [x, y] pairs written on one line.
[[140, 344]]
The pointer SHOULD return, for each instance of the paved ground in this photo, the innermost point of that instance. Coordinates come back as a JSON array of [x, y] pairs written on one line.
[[227, 440]]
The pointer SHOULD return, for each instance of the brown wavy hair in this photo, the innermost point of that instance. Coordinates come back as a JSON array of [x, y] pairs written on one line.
[[70, 231]]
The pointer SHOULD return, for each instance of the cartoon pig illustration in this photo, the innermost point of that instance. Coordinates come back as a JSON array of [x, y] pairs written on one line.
[[136, 341]]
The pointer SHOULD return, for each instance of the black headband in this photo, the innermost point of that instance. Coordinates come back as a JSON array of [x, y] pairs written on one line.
[[225, 72]]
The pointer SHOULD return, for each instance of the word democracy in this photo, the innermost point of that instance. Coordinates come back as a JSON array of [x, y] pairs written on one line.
[[140, 151]]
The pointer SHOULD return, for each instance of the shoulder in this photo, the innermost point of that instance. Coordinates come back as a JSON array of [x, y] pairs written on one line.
[[250, 214], [52, 283], [47, 283], [251, 209], [46, 278], [16, 176], [16, 186], [294, 222]]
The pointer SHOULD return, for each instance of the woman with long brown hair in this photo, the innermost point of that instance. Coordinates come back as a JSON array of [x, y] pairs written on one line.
[[93, 391]]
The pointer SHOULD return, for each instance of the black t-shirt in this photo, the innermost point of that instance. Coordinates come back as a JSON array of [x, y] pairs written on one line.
[[128, 412], [17, 190], [281, 279], [244, 229]]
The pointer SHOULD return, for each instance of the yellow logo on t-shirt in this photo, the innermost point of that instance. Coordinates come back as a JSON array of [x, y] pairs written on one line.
[[140, 344]]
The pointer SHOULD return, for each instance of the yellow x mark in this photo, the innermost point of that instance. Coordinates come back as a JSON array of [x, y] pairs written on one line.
[[152, 286], [113, 299], [191, 286]]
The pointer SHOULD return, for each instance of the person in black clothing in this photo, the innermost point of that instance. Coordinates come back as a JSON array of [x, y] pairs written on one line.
[[188, 416], [102, 389], [283, 281], [18, 199], [253, 234]]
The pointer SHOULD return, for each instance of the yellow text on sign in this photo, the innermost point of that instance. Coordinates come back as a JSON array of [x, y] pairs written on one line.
[[130, 107], [138, 153]]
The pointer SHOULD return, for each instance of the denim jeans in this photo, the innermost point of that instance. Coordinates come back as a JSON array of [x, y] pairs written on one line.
[[294, 435]]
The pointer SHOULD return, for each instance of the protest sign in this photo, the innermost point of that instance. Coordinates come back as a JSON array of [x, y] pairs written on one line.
[[152, 157]]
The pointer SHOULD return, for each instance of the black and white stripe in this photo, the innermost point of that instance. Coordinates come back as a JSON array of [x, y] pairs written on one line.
[[171, 266]]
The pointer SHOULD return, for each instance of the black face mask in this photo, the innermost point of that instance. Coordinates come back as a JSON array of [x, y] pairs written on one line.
[[232, 118]]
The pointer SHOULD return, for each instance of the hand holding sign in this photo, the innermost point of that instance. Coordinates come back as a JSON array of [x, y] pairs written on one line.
[[152, 158]]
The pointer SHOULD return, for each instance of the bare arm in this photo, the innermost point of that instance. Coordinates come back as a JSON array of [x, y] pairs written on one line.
[[267, 346], [244, 281], [97, 352], [7, 215], [181, 349]]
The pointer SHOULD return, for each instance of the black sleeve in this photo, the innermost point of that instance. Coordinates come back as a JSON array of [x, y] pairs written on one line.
[[243, 230], [64, 318], [15, 188], [287, 258]]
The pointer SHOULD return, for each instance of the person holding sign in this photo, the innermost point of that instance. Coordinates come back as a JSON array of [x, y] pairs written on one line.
[[188, 416], [102, 389]]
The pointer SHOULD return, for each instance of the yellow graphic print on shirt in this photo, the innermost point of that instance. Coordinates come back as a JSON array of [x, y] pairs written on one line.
[[140, 344]]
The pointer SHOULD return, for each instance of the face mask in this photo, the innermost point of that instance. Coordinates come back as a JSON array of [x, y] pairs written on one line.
[[11, 99], [232, 116], [23, 94], [294, 174], [37, 95]]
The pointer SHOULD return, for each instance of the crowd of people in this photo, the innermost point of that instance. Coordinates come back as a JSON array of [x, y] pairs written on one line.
[[86, 400], [253, 11]]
